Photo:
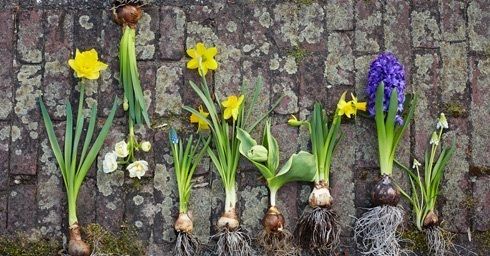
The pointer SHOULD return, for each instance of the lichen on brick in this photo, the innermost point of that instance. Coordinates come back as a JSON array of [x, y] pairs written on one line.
[[168, 98], [255, 204], [425, 30], [84, 21], [144, 49]]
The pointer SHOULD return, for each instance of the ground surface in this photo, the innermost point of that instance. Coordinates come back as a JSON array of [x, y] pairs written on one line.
[[306, 50]]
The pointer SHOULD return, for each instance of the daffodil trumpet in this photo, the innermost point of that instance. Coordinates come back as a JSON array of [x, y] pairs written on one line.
[[375, 232], [425, 188], [274, 238], [73, 165], [186, 156]]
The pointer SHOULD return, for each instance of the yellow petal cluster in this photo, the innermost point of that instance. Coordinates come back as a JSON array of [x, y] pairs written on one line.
[[202, 125], [349, 108], [87, 65], [202, 59], [232, 106]]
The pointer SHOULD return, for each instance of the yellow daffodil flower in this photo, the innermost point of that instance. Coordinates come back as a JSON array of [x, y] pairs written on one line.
[[202, 125], [358, 105], [232, 106], [344, 107], [202, 59], [87, 65]]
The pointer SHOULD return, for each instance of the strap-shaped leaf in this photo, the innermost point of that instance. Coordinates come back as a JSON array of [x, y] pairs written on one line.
[[53, 140], [68, 143], [92, 154]]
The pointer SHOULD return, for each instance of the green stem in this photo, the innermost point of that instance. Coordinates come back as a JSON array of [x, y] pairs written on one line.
[[72, 209], [230, 198], [273, 197]]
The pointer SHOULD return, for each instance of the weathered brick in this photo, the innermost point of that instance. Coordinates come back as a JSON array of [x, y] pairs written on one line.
[[140, 209], [286, 86], [454, 74], [361, 65], [58, 46], [312, 83], [146, 31], [4, 155], [452, 20], [479, 114], [200, 207], [369, 29], [30, 36], [342, 175], [25, 130], [168, 97], [148, 76], [110, 86], [6, 51], [255, 29], [340, 15], [339, 66], [285, 27], [109, 203], [86, 203], [425, 29], [51, 199], [253, 70], [455, 188], [22, 208], [172, 27], [481, 195], [426, 80], [397, 33], [3, 213], [253, 201], [311, 27], [478, 32]]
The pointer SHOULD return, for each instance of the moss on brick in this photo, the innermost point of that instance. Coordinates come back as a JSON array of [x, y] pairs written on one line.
[[20, 245], [415, 241], [124, 242]]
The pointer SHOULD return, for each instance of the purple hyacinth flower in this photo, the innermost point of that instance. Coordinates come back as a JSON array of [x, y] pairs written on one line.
[[387, 69]]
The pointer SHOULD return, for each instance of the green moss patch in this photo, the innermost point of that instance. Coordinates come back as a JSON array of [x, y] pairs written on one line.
[[415, 241], [21, 245], [124, 242]]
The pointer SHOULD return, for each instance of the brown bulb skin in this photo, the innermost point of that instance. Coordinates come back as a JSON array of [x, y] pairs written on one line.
[[229, 220], [76, 246], [184, 223], [431, 220], [127, 15], [273, 220], [384, 193]]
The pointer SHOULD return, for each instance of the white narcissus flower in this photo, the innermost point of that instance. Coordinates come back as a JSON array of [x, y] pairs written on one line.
[[442, 122], [121, 149], [137, 169], [434, 139], [146, 146], [110, 162]]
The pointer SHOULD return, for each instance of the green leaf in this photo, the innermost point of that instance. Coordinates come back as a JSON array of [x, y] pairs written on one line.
[[68, 143], [246, 143], [92, 154], [299, 167], [53, 140], [273, 147]]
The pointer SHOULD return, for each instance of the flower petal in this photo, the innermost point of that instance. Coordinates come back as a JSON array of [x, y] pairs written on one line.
[[227, 113], [211, 52], [191, 52], [211, 64], [200, 49], [192, 64]]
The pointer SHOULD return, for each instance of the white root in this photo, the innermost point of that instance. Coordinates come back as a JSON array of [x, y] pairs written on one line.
[[318, 230], [375, 232], [186, 245], [277, 243], [233, 243]]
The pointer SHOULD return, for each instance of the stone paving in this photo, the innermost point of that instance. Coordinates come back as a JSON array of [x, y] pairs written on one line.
[[306, 50]]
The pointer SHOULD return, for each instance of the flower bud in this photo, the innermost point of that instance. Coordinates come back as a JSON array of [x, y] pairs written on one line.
[[442, 122], [434, 139], [125, 104], [145, 146], [258, 153], [293, 121]]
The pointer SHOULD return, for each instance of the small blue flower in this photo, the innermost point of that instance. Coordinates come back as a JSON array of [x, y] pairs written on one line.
[[172, 135], [387, 69]]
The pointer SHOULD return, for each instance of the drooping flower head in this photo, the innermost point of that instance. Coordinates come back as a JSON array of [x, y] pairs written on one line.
[[349, 108], [386, 69], [232, 106], [202, 59], [87, 65], [202, 125]]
